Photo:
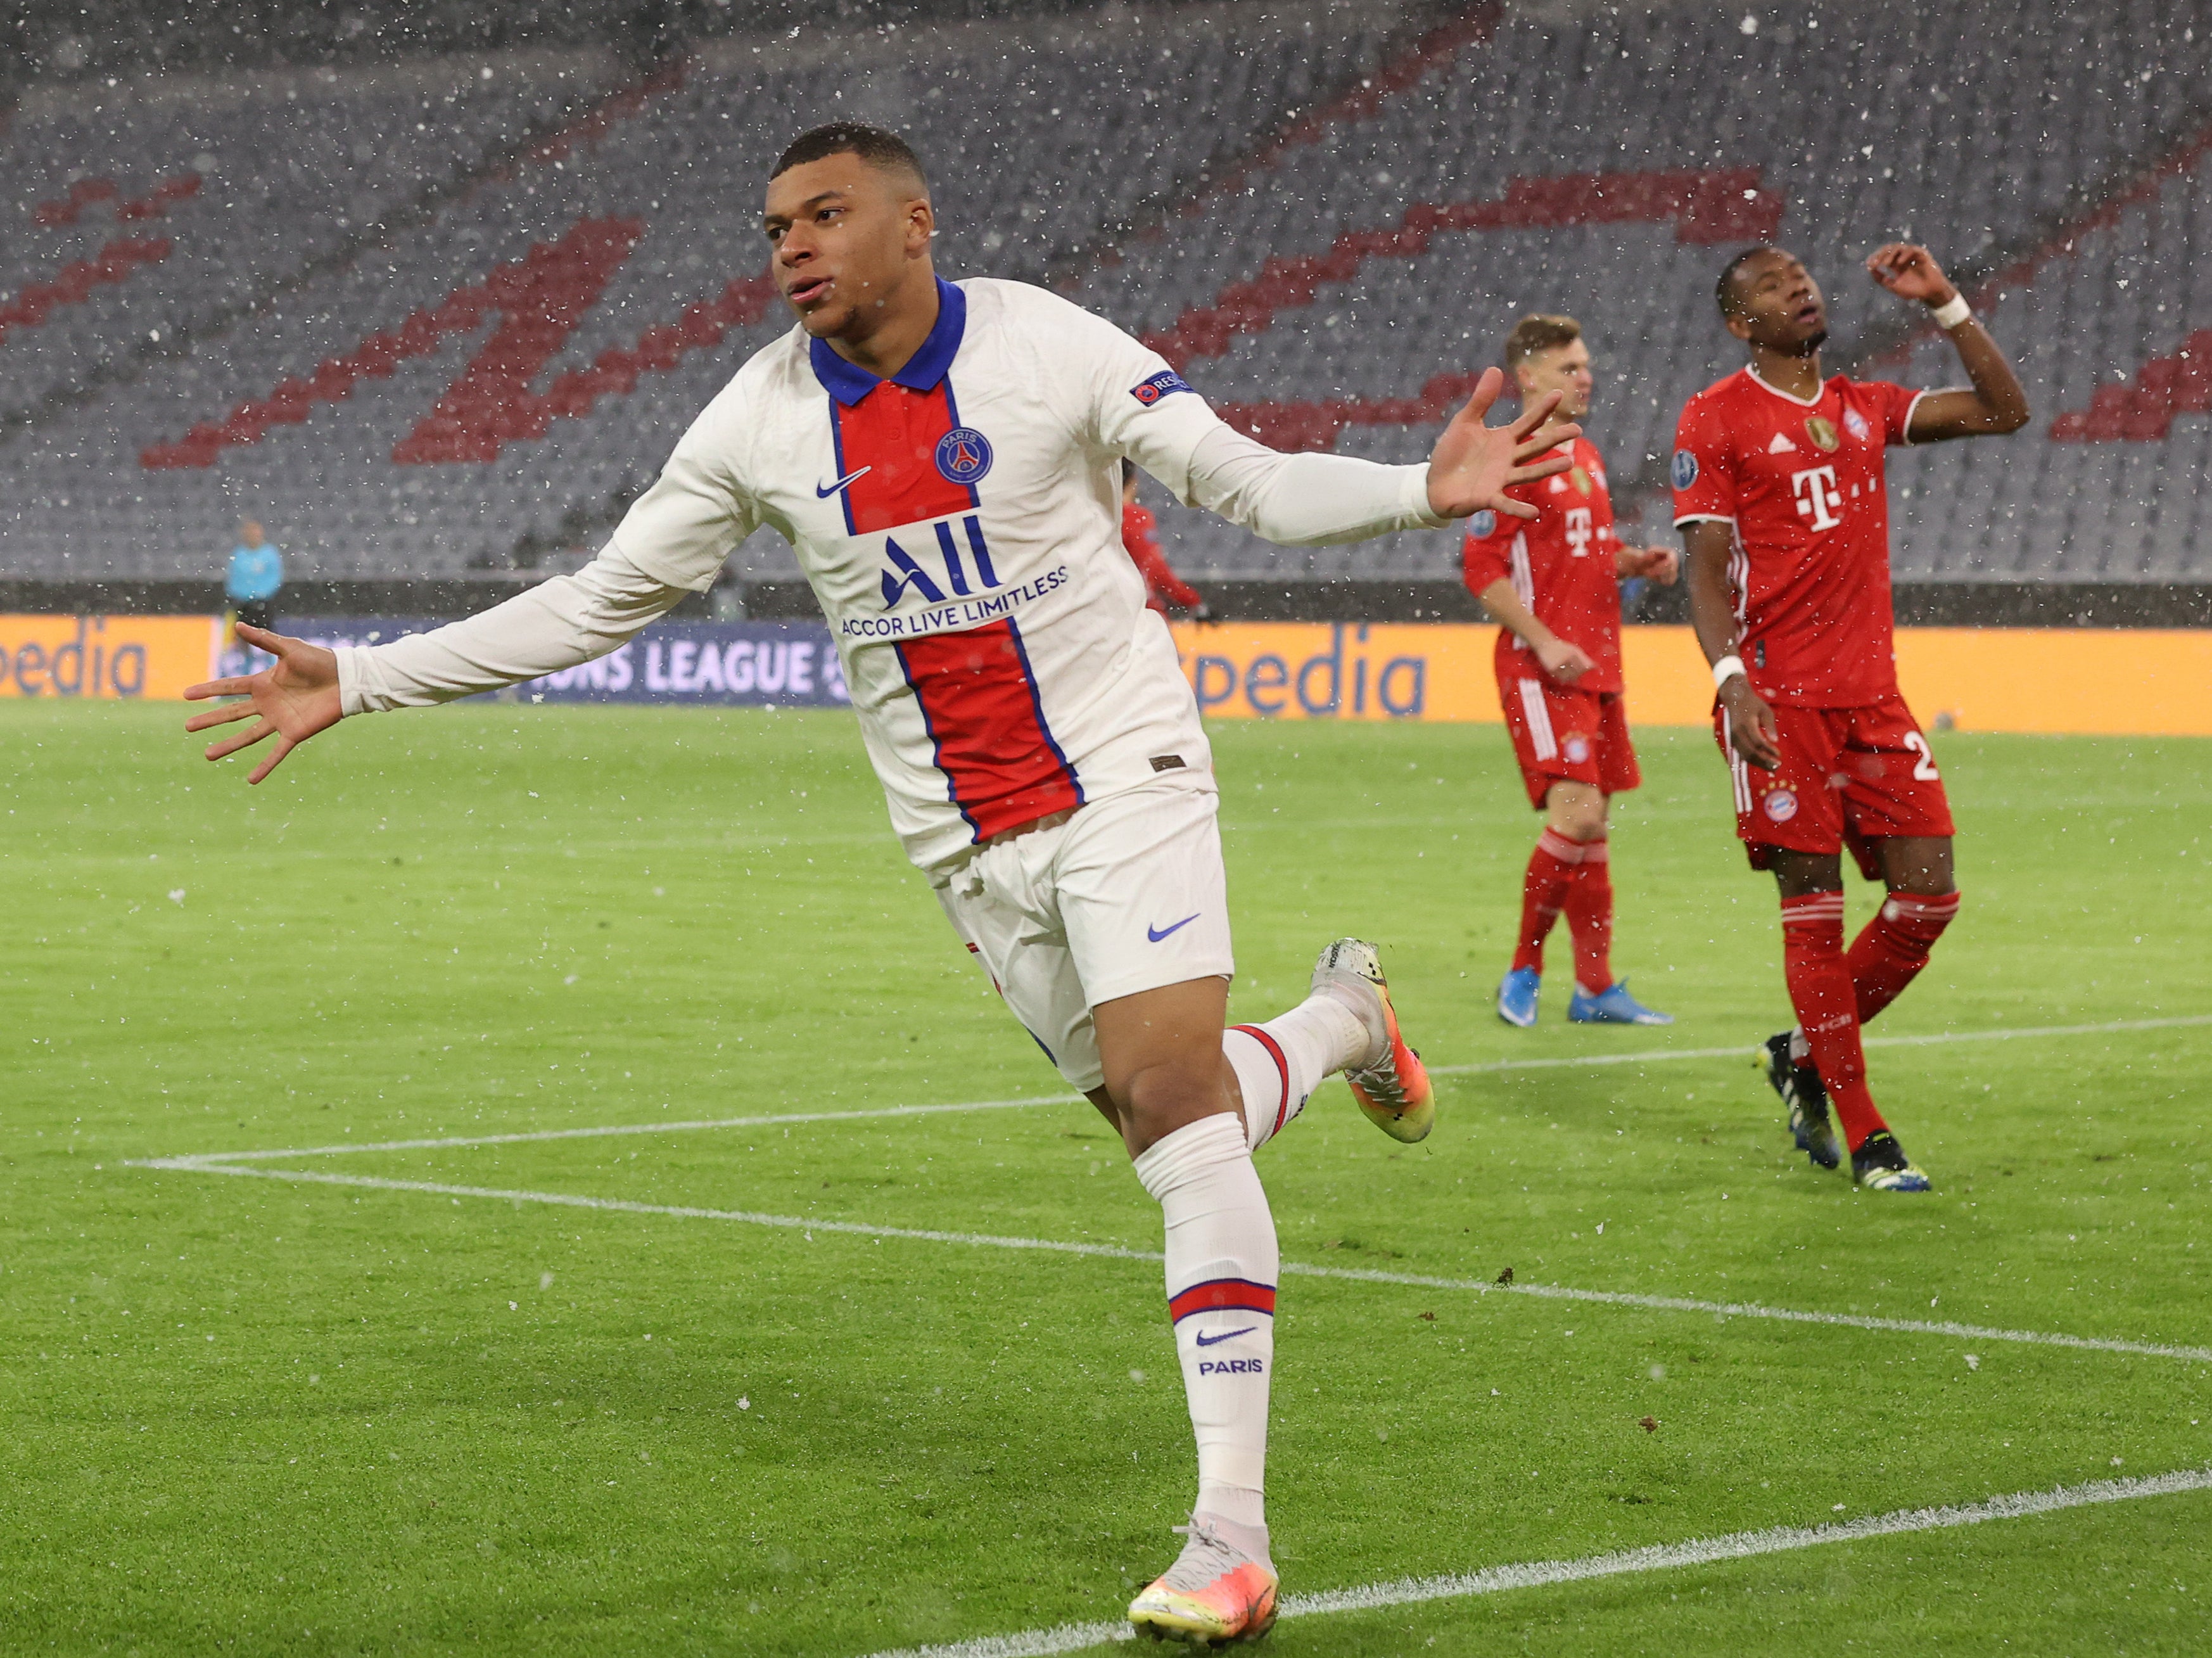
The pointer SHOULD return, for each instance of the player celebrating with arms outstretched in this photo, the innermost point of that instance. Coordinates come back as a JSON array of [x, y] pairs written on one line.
[[1780, 495], [1552, 583], [946, 460]]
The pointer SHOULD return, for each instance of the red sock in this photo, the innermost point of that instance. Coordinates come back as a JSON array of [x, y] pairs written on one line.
[[1819, 980], [1551, 868], [1892, 949], [1589, 917]]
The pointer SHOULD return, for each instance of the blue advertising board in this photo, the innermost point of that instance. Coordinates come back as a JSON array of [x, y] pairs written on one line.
[[742, 663]]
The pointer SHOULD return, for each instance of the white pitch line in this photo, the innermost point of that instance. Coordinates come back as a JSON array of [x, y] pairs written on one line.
[[625, 1128], [1641, 1057], [1650, 1056], [1658, 1557], [1116, 1251]]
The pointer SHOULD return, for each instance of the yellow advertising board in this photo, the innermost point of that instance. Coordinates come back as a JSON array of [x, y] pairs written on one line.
[[2136, 682], [131, 657]]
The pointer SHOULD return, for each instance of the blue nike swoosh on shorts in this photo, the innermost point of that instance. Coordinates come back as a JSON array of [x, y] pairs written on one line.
[[1157, 933]]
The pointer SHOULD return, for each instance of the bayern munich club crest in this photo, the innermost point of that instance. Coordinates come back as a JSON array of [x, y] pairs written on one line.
[[963, 454], [1684, 472], [1781, 805], [1483, 524]]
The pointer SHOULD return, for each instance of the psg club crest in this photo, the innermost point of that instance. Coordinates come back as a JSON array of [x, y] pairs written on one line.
[[1684, 472], [1856, 425], [1781, 805], [1822, 431], [963, 454]]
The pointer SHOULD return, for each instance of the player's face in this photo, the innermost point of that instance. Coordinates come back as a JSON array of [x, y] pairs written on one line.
[[845, 236], [1562, 368], [1779, 306]]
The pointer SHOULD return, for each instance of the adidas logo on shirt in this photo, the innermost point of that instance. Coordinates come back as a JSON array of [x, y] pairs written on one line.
[[1781, 446]]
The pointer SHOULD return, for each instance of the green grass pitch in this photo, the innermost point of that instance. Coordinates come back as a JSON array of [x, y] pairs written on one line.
[[260, 1416]]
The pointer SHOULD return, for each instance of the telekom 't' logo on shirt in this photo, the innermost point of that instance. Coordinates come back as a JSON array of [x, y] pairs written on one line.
[[1579, 533], [1818, 498]]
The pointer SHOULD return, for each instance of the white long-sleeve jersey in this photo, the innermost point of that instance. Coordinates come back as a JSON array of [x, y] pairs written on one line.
[[960, 523]]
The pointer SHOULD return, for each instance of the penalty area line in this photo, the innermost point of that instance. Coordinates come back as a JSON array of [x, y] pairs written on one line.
[[1723, 1309], [1658, 1557]]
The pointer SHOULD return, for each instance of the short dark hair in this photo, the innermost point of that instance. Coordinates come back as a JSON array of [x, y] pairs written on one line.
[[1539, 332], [1725, 290], [885, 151]]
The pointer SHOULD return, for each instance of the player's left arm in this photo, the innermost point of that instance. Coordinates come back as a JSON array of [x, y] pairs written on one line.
[[1659, 564], [1997, 404]]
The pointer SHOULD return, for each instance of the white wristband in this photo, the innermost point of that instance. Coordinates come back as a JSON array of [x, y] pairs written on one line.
[[1953, 312], [1725, 669]]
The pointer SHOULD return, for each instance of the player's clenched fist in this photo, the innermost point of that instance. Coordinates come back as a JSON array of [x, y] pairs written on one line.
[[1473, 465], [295, 697]]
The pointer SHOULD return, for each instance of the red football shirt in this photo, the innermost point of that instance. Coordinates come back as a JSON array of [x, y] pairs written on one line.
[[1803, 485], [1562, 566]]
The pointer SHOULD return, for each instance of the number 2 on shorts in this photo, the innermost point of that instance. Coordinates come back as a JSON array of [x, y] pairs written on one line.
[[1924, 767]]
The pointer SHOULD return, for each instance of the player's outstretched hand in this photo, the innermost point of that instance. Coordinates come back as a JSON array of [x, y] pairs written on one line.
[[1564, 661], [1752, 730], [293, 699], [1909, 272], [1659, 564], [1473, 465]]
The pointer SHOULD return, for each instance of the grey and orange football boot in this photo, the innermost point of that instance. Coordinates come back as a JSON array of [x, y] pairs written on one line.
[[1392, 1088]]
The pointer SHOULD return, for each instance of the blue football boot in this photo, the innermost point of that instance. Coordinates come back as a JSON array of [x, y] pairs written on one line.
[[1517, 996], [1612, 1006]]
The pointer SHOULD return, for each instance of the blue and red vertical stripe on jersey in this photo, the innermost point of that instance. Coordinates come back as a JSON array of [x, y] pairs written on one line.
[[887, 429], [980, 704]]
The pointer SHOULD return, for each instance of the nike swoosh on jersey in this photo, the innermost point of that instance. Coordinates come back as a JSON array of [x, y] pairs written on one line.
[[824, 491], [1206, 1340], [1157, 933]]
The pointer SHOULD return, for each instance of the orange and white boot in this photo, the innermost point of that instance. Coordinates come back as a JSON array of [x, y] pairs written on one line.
[[1215, 1593], [1392, 1089]]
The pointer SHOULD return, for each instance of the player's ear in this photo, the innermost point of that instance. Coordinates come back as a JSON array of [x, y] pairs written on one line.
[[920, 226], [1738, 325]]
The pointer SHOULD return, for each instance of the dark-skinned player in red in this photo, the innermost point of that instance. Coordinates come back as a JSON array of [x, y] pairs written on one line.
[[1780, 495]]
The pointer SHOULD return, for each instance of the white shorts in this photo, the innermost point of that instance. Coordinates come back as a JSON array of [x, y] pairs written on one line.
[[1127, 895]]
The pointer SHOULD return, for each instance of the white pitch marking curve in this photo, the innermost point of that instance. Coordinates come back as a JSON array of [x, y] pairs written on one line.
[[1658, 1557], [207, 1165], [1643, 1056]]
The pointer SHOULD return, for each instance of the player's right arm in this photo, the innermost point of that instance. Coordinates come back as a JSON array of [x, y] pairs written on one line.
[[672, 542], [1705, 506], [1563, 660], [1135, 406], [1707, 547]]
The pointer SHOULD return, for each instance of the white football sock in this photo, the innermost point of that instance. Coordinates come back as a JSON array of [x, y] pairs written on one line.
[[1221, 1270], [1280, 1063]]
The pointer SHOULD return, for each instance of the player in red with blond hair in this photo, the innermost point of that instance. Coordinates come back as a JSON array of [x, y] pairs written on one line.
[[1780, 495], [1553, 584]]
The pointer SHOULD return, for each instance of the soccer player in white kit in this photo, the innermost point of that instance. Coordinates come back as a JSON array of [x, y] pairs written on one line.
[[945, 458]]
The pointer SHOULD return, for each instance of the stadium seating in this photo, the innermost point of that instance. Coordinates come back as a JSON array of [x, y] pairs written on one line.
[[490, 382]]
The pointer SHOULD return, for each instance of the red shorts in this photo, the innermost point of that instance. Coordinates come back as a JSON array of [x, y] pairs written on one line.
[[1848, 776], [1561, 732]]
